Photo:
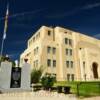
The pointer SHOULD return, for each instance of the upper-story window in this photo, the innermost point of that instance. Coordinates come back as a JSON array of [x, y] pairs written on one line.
[[68, 77], [70, 42], [54, 50], [54, 63], [67, 64], [72, 77], [70, 52], [84, 65], [66, 40], [49, 33], [67, 51], [39, 34], [48, 49], [36, 50], [33, 39], [71, 64], [48, 62]]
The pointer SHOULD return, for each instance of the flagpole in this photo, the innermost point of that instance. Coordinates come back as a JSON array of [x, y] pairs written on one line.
[[2, 45], [5, 30]]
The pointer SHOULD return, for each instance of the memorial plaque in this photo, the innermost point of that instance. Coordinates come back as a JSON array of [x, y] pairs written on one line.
[[15, 77]]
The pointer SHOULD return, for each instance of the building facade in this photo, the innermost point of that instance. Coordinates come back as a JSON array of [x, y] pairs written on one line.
[[67, 54]]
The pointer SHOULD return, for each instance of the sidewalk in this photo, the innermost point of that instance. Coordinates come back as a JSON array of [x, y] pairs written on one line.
[[41, 95], [92, 98]]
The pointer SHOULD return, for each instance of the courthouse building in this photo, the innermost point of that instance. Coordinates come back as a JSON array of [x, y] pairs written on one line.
[[64, 53]]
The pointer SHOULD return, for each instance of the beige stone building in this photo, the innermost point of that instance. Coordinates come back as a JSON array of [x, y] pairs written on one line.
[[67, 54]]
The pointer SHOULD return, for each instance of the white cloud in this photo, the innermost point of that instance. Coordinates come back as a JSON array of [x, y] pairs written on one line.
[[23, 14], [74, 11], [97, 36], [13, 55], [91, 6]]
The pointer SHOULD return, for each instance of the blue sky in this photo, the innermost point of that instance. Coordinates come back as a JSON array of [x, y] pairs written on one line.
[[27, 16]]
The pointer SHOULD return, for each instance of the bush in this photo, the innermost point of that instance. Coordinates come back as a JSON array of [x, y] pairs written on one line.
[[47, 81], [36, 75]]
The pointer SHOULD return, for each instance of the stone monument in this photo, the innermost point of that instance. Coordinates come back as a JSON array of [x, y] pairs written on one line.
[[14, 78]]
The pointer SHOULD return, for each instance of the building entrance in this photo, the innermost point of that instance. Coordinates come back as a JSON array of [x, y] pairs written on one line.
[[95, 70]]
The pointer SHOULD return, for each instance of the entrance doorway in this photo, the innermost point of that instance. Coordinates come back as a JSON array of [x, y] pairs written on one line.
[[95, 70]]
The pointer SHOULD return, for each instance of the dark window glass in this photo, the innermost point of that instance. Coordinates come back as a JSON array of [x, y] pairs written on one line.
[[54, 63], [48, 62], [67, 64], [72, 77], [71, 64], [49, 33], [48, 49], [66, 41], [54, 50], [68, 77], [70, 42], [66, 51], [70, 52]]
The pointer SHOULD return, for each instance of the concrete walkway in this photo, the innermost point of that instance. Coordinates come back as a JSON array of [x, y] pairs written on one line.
[[41, 95], [92, 98]]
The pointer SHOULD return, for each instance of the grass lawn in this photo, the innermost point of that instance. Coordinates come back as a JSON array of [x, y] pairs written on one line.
[[86, 89]]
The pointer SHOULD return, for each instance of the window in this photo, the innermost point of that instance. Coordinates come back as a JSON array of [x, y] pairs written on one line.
[[48, 62], [34, 51], [35, 63], [67, 64], [84, 64], [48, 49], [49, 33], [39, 34], [68, 77], [54, 50], [66, 41], [70, 42], [66, 51], [37, 49], [71, 64], [70, 52], [33, 39], [72, 77], [54, 63]]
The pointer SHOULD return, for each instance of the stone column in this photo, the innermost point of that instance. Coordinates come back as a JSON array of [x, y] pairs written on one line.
[[25, 76], [5, 74]]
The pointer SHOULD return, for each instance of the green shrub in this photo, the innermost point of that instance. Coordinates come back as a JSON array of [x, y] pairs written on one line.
[[36, 75], [47, 81]]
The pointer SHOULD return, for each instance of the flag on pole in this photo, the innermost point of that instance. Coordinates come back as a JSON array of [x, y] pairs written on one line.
[[6, 22]]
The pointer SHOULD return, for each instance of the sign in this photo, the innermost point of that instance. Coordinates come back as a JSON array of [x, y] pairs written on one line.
[[15, 77]]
